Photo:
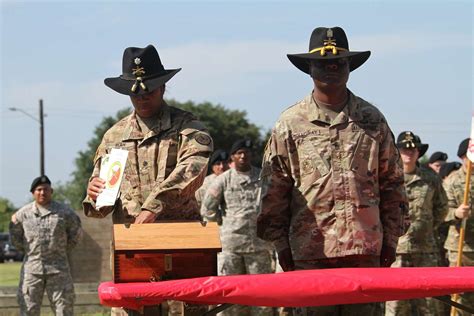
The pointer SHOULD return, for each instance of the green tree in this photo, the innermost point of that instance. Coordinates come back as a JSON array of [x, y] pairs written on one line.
[[74, 191], [224, 125], [6, 211]]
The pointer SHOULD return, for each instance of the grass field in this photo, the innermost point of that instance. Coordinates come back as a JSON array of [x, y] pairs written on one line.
[[10, 273]]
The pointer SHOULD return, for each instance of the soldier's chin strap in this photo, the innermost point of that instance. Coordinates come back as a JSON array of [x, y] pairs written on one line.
[[452, 303]]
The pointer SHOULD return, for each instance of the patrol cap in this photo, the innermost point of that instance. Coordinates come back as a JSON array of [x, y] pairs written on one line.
[[39, 181], [438, 156], [241, 143], [218, 155], [410, 141], [462, 149]]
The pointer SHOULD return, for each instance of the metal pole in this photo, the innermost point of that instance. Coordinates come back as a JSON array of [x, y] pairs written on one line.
[[41, 121]]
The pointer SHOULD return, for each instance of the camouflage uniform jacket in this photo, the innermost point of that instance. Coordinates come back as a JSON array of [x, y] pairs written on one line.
[[46, 238], [164, 167], [201, 192], [235, 195], [332, 189], [427, 209], [454, 186]]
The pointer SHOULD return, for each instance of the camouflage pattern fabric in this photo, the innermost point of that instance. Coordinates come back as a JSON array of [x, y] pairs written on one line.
[[245, 263], [233, 196], [454, 185], [164, 167], [425, 306], [59, 289], [427, 210], [201, 192], [46, 237], [332, 188]]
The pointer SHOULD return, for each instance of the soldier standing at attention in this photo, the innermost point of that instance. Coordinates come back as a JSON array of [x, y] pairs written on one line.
[[454, 185], [427, 210], [168, 149], [218, 163], [233, 197], [333, 193], [46, 231]]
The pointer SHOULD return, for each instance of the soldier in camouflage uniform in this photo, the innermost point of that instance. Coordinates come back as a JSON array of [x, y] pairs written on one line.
[[428, 208], [454, 185], [233, 196], [218, 163], [168, 149], [45, 231], [333, 193]]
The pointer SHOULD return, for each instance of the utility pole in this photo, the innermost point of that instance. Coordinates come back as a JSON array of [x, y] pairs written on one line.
[[41, 121]]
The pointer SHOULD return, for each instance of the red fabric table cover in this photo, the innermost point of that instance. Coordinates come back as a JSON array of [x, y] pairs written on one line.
[[296, 288]]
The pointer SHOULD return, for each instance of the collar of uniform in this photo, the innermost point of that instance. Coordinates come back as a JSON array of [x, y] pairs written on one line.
[[43, 211], [416, 176], [132, 130], [348, 113]]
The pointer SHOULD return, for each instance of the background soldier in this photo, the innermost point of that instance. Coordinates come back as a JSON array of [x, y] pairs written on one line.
[[428, 208], [455, 187], [218, 163], [168, 149], [45, 231], [335, 194], [233, 196], [437, 160]]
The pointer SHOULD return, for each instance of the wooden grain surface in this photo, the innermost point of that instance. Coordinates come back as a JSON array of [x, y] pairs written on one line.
[[163, 236]]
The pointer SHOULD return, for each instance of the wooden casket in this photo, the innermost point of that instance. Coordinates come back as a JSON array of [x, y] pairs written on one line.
[[164, 251]]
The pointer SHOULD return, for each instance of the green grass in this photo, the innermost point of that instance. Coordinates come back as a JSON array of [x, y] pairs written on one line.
[[10, 273]]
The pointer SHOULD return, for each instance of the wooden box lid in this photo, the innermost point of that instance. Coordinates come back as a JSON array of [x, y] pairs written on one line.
[[167, 236]]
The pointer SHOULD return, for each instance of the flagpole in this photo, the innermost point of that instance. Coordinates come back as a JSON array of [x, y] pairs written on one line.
[[467, 191]]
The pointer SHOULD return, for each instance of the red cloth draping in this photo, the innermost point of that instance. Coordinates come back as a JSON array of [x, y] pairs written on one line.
[[296, 288]]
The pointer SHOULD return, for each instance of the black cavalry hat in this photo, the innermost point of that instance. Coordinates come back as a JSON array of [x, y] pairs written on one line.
[[409, 140], [328, 43], [142, 72]]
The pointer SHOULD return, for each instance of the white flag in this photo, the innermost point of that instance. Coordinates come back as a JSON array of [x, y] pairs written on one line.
[[470, 148]]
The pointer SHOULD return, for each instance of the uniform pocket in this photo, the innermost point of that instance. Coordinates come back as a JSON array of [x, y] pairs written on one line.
[[312, 164], [364, 162]]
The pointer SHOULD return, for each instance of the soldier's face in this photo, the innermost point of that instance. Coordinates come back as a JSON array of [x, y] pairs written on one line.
[[436, 166], [333, 72], [219, 167], [409, 155], [242, 159], [42, 194], [148, 105]]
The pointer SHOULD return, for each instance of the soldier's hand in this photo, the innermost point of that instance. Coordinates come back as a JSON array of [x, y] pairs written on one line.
[[145, 217], [462, 211], [286, 260], [14, 219], [95, 187], [387, 256]]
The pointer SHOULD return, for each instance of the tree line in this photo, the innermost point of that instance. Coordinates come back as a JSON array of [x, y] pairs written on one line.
[[225, 126]]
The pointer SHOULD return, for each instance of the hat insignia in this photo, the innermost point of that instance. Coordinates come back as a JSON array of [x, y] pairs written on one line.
[[329, 44], [138, 72]]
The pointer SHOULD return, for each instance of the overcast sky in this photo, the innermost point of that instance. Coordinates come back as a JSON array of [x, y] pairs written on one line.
[[232, 53]]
